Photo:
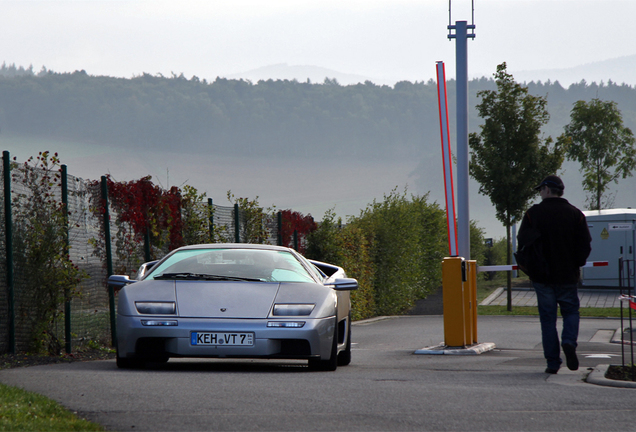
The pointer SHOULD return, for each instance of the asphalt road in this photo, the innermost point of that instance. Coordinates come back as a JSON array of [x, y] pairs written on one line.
[[386, 388]]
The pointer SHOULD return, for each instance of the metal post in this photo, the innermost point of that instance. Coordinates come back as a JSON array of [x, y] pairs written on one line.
[[211, 219], [109, 261], [296, 240], [147, 256], [67, 294], [280, 228], [461, 78], [237, 220], [514, 248], [8, 224]]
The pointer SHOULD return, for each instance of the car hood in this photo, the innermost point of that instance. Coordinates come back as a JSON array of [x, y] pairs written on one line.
[[203, 299]]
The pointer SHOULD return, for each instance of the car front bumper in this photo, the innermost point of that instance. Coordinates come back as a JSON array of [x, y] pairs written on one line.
[[269, 342]]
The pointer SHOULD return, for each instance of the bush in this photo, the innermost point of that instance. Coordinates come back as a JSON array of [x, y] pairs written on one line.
[[394, 249], [407, 240], [48, 276], [195, 216], [348, 248]]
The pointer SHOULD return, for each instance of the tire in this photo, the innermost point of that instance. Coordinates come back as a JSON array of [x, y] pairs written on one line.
[[161, 359], [330, 364], [129, 363], [344, 357]]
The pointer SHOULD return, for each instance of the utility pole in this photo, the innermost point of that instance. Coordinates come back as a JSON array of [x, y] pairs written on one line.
[[461, 37]]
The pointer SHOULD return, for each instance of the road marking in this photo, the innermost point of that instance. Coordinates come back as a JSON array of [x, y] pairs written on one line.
[[609, 356]]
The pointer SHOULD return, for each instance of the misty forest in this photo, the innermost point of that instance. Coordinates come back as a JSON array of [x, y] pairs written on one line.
[[274, 118]]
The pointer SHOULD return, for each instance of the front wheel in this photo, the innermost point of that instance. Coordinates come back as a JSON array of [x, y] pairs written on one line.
[[128, 363], [344, 357]]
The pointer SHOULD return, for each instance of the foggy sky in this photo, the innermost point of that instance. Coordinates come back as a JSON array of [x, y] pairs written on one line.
[[382, 39], [388, 40]]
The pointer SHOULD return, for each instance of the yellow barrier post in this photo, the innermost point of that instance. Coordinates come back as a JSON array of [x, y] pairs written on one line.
[[468, 303], [459, 288], [453, 294], [471, 283]]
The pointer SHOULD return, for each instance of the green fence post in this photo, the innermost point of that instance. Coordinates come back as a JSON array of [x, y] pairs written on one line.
[[211, 219], [280, 228], [109, 261], [237, 221], [67, 294], [8, 224], [147, 243]]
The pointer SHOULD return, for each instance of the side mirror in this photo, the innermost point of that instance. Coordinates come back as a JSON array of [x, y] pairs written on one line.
[[119, 281], [345, 284], [145, 268]]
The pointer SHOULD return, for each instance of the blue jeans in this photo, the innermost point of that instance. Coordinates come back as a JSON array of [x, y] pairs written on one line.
[[566, 297]]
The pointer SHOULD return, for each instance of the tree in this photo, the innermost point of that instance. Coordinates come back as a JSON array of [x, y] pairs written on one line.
[[509, 157], [597, 139]]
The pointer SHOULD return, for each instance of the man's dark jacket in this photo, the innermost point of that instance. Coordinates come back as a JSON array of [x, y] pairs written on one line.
[[564, 242]]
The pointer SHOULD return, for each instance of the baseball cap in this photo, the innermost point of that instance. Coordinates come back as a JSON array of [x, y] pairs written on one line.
[[552, 182]]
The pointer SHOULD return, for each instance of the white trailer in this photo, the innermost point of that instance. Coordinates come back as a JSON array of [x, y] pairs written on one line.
[[613, 236]]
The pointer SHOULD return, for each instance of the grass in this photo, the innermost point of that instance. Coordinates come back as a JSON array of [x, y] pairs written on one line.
[[22, 410], [486, 287], [526, 310]]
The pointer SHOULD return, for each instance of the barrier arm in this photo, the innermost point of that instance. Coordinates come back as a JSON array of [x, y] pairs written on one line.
[[516, 267]]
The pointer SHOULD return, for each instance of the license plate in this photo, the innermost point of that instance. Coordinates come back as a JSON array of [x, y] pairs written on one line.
[[222, 338]]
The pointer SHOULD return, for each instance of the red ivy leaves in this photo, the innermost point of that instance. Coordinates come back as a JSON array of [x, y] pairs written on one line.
[[147, 207], [172, 201], [295, 221]]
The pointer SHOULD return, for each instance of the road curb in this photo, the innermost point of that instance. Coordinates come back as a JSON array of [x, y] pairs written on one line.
[[491, 297], [372, 320], [597, 376]]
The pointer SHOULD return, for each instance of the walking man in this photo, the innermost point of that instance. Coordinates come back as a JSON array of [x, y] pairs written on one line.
[[558, 232]]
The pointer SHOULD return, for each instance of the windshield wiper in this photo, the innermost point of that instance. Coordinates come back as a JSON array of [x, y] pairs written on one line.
[[202, 276]]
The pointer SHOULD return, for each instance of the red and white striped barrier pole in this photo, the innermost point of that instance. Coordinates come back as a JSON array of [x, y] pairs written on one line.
[[447, 159], [630, 299], [516, 267]]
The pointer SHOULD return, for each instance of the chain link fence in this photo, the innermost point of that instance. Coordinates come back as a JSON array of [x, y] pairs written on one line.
[[90, 321]]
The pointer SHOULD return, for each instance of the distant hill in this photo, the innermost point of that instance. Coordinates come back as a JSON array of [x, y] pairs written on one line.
[[618, 70], [314, 74]]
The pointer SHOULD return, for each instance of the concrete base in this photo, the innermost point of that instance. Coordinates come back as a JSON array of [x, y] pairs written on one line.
[[442, 349]]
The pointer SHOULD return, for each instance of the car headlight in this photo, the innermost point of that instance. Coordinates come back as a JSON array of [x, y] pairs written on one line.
[[292, 309], [156, 308]]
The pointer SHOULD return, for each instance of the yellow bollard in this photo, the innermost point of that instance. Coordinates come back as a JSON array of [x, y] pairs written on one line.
[[453, 294], [468, 306], [471, 299]]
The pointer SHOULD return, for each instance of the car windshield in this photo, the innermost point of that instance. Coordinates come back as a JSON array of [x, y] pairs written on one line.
[[233, 265]]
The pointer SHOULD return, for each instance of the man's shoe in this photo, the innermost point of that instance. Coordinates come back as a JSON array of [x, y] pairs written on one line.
[[570, 356], [551, 371]]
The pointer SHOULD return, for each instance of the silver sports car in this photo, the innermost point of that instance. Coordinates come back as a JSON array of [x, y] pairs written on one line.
[[235, 300]]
